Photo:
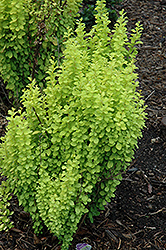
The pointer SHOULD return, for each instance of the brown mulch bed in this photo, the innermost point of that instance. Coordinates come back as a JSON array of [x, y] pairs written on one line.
[[136, 218]]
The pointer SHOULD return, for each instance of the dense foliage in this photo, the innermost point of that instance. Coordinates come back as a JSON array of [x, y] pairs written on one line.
[[88, 11], [64, 152], [30, 33]]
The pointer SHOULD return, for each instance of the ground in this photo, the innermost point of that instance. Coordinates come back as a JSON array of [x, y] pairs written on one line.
[[136, 218]]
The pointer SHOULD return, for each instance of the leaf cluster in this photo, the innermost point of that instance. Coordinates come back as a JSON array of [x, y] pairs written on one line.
[[64, 153], [30, 33]]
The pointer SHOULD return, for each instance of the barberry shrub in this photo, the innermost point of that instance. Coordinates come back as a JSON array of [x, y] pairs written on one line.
[[65, 151], [30, 33]]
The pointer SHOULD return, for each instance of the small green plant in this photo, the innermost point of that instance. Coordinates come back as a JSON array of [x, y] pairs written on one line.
[[30, 33], [64, 152]]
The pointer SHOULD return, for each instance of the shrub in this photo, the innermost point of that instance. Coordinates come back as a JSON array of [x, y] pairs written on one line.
[[30, 33], [64, 152]]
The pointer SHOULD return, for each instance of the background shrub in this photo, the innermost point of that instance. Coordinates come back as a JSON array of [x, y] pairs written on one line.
[[88, 11], [31, 32], [64, 153]]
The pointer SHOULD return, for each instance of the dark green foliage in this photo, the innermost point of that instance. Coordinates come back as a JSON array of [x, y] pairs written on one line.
[[88, 11], [64, 153], [30, 33]]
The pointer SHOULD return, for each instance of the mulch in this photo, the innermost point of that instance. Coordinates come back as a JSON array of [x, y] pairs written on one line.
[[136, 218]]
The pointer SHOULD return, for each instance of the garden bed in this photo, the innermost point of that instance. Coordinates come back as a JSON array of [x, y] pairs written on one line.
[[136, 217]]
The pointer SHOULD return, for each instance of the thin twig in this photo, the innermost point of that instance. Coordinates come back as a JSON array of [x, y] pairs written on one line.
[[111, 236], [149, 47], [40, 121], [28, 243], [101, 223], [81, 222], [119, 245], [2, 115], [145, 177], [149, 95], [37, 116], [160, 210]]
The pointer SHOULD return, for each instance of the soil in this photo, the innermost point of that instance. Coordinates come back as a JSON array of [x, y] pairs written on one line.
[[136, 218]]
